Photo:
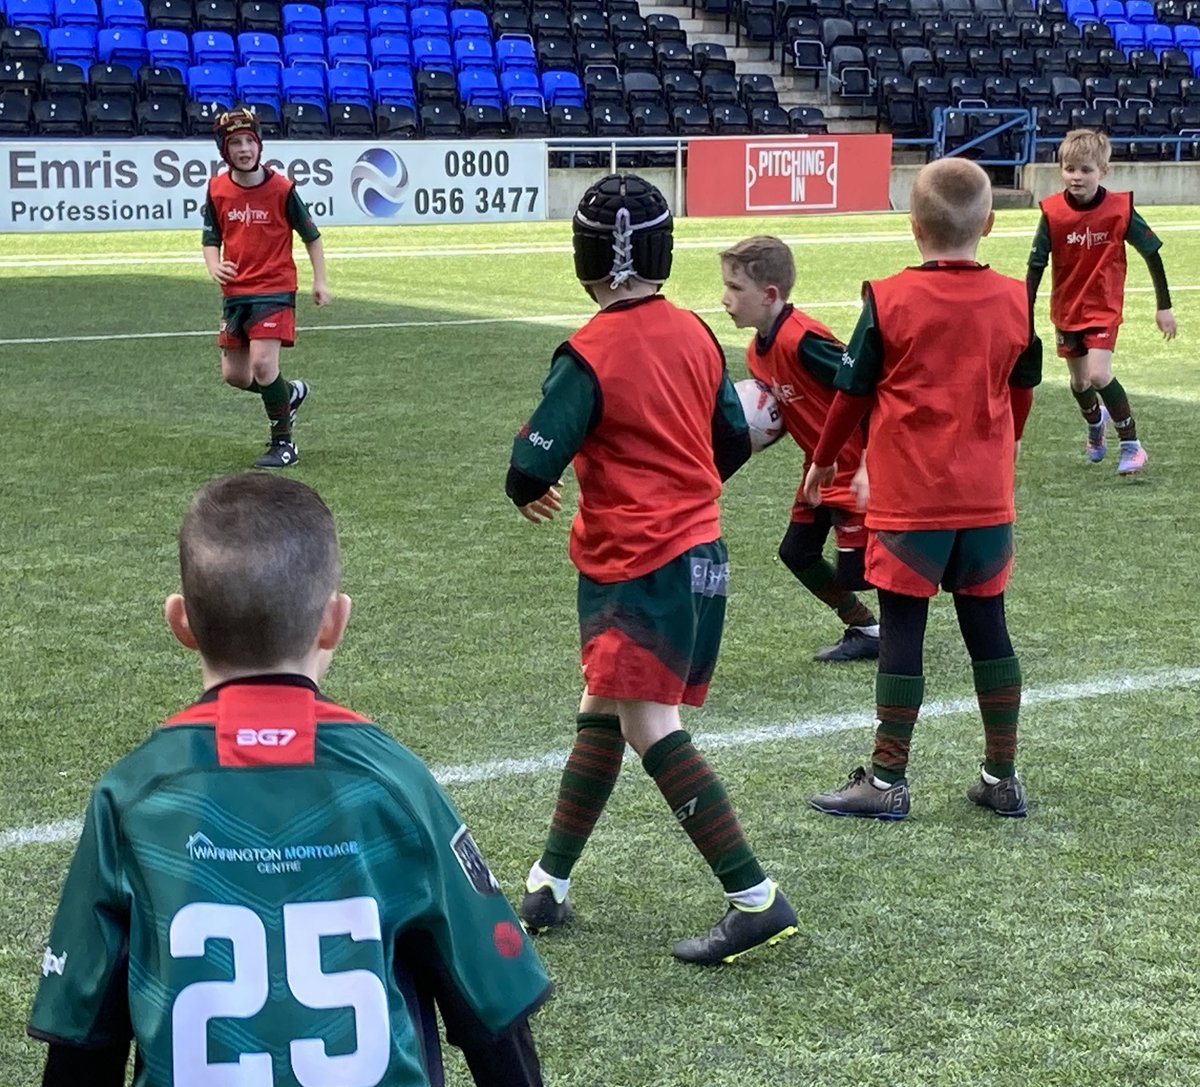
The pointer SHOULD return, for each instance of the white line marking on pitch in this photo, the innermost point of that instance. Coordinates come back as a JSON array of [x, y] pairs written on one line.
[[118, 260], [454, 322], [67, 830]]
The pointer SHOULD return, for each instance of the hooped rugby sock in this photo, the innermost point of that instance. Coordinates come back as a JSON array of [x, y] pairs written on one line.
[[587, 782], [1089, 404], [998, 688], [897, 704], [820, 579], [1117, 402], [700, 803], [276, 398]]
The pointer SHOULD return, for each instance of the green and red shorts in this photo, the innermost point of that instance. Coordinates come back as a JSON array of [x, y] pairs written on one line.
[[655, 638], [967, 561], [246, 319], [1075, 343]]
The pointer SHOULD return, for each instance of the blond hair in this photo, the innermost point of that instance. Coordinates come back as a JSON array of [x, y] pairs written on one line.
[[951, 201], [766, 260], [1085, 145]]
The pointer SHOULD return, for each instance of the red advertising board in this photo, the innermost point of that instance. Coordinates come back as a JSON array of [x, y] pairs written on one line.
[[783, 175]]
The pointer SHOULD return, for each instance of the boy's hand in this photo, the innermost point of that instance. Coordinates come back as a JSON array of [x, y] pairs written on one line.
[[321, 294], [1165, 320], [817, 478], [860, 487], [544, 508], [225, 272]]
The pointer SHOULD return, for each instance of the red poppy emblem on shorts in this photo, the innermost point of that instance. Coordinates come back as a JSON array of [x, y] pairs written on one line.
[[508, 939]]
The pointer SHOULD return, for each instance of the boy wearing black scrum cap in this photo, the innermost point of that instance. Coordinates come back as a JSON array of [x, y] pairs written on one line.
[[249, 215], [640, 402]]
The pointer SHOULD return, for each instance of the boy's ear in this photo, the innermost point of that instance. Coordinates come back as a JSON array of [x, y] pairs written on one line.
[[177, 620], [333, 622], [914, 226], [988, 224], [772, 293]]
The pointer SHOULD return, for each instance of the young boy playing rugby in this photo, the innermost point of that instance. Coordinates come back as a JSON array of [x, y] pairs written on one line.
[[270, 889], [945, 360], [1082, 234], [798, 357], [640, 401], [249, 215]]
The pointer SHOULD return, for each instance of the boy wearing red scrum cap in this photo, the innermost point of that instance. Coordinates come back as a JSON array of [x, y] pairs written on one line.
[[249, 215]]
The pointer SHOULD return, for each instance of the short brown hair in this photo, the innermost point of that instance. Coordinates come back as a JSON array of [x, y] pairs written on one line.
[[1085, 145], [951, 201], [766, 260], [259, 560]]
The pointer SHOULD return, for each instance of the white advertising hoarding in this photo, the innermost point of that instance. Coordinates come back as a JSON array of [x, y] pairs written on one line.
[[56, 185]]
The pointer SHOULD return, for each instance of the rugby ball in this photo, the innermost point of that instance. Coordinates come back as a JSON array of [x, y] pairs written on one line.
[[762, 413]]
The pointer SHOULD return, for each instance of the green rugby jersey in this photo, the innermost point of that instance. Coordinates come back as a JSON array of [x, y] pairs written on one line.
[[243, 889]]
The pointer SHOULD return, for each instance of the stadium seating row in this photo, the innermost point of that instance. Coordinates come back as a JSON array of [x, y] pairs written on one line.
[[166, 118]]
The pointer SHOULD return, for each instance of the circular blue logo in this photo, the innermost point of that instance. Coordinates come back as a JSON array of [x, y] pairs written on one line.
[[377, 182]]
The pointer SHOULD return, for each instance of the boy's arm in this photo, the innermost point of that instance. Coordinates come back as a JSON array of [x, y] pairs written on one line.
[[545, 445], [730, 433], [302, 223], [223, 271], [1146, 242], [82, 1003], [1039, 257], [316, 254]]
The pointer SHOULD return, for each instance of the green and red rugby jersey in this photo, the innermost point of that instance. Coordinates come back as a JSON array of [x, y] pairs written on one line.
[[253, 227], [640, 400], [944, 357], [799, 359], [1085, 246], [245, 884]]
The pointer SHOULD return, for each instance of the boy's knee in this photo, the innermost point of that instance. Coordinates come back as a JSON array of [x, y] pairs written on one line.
[[798, 550]]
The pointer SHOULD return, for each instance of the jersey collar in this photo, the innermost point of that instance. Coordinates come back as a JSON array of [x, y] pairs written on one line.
[[762, 343]]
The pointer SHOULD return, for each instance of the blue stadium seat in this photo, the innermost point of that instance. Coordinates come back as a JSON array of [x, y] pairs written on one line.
[[259, 83], [1187, 36], [211, 83], [303, 49], [123, 45], [34, 13], [1139, 11], [169, 49], [304, 84], [345, 19], [521, 87], [391, 50], [391, 18], [258, 48], [473, 52], [350, 84], [343, 49], [213, 47], [1158, 37], [1128, 36], [72, 45], [1111, 11], [302, 19], [75, 13], [479, 87], [516, 51], [428, 20], [562, 88], [131, 13], [431, 52], [470, 23], [393, 86]]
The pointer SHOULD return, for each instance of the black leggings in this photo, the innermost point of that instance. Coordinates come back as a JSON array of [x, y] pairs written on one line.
[[902, 630]]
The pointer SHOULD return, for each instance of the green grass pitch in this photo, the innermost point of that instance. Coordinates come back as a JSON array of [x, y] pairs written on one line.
[[954, 948]]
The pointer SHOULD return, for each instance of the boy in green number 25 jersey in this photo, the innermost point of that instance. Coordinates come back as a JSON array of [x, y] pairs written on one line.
[[270, 890]]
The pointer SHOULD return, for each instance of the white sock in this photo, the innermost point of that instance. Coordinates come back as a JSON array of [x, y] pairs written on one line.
[[988, 779], [871, 631], [752, 898], [539, 877], [879, 783]]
